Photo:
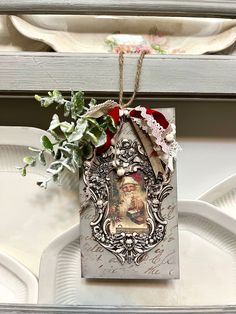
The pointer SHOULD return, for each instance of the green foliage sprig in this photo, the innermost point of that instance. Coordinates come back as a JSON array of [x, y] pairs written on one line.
[[74, 140]]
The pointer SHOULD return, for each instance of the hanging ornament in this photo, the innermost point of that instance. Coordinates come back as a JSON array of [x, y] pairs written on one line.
[[127, 156]]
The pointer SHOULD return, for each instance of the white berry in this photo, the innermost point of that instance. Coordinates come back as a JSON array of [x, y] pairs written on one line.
[[120, 172], [126, 112], [170, 137], [121, 112], [164, 157]]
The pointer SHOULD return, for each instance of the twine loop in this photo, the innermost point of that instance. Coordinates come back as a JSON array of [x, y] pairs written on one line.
[[137, 78]]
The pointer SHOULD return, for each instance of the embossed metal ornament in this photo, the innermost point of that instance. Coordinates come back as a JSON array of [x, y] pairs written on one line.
[[127, 197]]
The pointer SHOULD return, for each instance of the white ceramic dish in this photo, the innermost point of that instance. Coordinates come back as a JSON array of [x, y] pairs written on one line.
[[207, 259], [223, 196], [202, 164], [17, 283], [176, 35], [12, 40], [31, 217]]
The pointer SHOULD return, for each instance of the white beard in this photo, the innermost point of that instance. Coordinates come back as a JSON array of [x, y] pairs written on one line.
[[126, 199]]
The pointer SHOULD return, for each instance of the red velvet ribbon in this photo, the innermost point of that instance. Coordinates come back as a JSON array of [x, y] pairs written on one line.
[[115, 114]]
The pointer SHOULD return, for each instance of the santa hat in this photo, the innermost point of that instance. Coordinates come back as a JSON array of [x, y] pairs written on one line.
[[127, 180]]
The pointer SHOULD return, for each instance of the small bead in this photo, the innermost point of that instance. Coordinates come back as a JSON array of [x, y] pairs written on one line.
[[99, 202], [113, 142], [170, 137], [113, 163], [126, 112], [120, 172], [164, 157], [121, 112]]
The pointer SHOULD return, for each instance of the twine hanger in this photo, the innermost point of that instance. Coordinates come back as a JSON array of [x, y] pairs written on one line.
[[136, 82]]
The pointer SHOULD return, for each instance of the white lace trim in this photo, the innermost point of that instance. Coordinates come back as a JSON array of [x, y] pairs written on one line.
[[158, 134], [153, 128]]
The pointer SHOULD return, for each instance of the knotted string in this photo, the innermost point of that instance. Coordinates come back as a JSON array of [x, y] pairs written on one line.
[[121, 86], [137, 78]]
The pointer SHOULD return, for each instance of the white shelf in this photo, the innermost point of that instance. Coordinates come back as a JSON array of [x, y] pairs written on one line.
[[186, 75]]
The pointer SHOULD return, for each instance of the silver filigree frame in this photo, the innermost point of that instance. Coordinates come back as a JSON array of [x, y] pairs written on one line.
[[127, 247]]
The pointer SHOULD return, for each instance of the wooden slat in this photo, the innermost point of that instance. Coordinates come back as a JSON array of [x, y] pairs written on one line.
[[188, 75], [131, 7], [22, 309]]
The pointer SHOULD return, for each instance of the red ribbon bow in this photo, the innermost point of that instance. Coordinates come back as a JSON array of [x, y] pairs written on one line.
[[115, 114]]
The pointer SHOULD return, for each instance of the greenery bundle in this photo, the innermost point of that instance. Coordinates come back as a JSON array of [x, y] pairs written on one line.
[[74, 140]]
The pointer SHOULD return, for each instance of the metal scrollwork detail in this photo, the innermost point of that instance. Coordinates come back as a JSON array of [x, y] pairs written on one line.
[[126, 246]]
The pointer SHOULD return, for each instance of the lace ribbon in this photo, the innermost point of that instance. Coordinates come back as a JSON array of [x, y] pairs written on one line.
[[158, 136]]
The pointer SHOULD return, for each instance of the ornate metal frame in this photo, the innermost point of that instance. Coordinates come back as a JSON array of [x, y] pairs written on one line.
[[130, 155]]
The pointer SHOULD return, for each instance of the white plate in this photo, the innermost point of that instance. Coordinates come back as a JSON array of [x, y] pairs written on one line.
[[207, 259], [17, 283], [202, 164], [176, 35], [223, 196], [12, 40], [31, 217]]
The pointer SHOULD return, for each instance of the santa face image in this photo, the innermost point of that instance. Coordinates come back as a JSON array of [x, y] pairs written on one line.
[[130, 213]]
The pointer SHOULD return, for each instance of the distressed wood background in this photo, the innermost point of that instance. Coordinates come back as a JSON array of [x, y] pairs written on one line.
[[169, 75], [21, 309], [118, 7]]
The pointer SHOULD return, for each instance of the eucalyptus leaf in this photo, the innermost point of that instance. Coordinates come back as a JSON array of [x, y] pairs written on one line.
[[67, 163], [77, 158], [55, 135], [34, 149], [102, 139], [47, 144], [92, 138], [55, 168], [55, 123], [87, 150], [93, 122], [92, 103], [43, 184], [55, 177], [46, 101], [65, 151], [67, 127], [67, 108], [79, 131], [56, 93], [78, 102], [29, 160], [38, 98], [111, 124], [96, 135], [41, 158], [23, 172]]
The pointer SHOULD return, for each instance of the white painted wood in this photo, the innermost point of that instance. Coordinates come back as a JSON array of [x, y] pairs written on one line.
[[4, 309], [188, 75], [132, 7]]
